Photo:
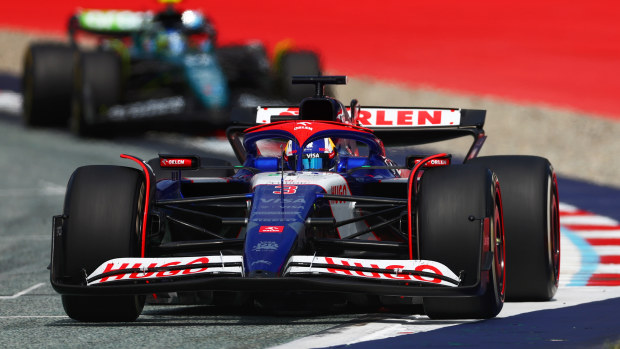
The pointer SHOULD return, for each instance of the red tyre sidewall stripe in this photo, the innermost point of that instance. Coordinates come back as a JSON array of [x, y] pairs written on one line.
[[146, 198]]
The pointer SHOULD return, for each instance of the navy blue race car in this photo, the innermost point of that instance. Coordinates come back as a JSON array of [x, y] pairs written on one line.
[[152, 70], [316, 213]]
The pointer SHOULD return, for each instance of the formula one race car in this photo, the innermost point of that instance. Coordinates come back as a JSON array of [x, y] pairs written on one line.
[[161, 69], [316, 213]]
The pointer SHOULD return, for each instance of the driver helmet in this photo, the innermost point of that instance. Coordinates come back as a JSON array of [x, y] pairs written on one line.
[[317, 155], [171, 42]]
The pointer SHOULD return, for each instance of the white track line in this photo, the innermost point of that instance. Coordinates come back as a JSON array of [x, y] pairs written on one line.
[[21, 293]]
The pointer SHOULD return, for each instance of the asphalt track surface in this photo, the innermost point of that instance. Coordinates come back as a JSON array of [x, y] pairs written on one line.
[[36, 164]]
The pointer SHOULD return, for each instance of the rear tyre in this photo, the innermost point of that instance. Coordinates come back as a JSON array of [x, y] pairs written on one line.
[[454, 205], [47, 84], [97, 86], [246, 66], [104, 206], [530, 197], [297, 63]]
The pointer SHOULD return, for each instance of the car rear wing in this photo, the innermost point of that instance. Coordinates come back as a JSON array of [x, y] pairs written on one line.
[[124, 23], [116, 23], [397, 125], [395, 118]]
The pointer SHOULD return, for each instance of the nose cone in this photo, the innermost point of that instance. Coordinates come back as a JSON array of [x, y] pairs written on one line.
[[276, 227], [266, 252]]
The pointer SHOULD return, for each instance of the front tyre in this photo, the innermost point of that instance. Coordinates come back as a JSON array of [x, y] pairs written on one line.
[[532, 220], [104, 207], [246, 66], [459, 221]]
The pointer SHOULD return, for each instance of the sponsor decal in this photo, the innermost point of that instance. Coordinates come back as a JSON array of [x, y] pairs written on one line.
[[202, 59], [265, 246], [396, 268], [435, 162], [286, 201], [150, 108], [407, 117], [339, 190], [303, 125], [175, 162], [271, 229], [375, 269], [383, 117], [150, 268], [286, 189], [280, 219]]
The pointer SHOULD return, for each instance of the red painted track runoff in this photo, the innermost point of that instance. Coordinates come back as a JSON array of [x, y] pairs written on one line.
[[560, 53]]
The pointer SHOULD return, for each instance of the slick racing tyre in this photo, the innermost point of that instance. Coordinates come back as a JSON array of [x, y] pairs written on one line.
[[104, 207], [97, 86], [459, 220], [531, 218], [297, 63], [246, 66], [47, 84]]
